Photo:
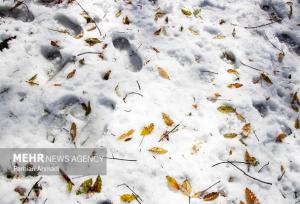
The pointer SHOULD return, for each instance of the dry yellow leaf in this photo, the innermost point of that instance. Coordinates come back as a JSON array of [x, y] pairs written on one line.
[[211, 196], [186, 12], [31, 81], [226, 109], [265, 78], [172, 183], [197, 195], [128, 197], [73, 132], [250, 197], [186, 187], [250, 159], [158, 150], [193, 31], [92, 41], [195, 148], [233, 71], [219, 37], [230, 135], [71, 74], [235, 85], [147, 129], [168, 121], [163, 73], [126, 135]]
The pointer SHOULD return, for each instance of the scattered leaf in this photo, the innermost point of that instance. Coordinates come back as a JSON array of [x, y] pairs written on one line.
[[87, 108], [198, 194], [157, 32], [81, 61], [233, 71], [265, 78], [147, 129], [226, 109], [220, 37], [126, 20], [172, 183], [128, 197], [297, 124], [211, 196], [163, 73], [31, 81], [196, 13], [118, 14], [193, 31], [186, 12], [126, 135], [250, 159], [97, 185], [20, 190], [281, 137], [54, 43], [168, 121], [281, 56], [92, 41], [155, 49], [159, 14], [107, 75], [73, 132], [246, 130], [85, 187], [235, 85], [250, 197], [71, 74], [158, 150], [230, 135], [186, 187]]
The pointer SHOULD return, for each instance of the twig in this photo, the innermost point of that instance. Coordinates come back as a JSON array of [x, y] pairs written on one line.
[[227, 162], [202, 192], [251, 67], [45, 200], [84, 53], [256, 179], [90, 17], [124, 99], [138, 84], [263, 167], [138, 198], [255, 135], [26, 198], [5, 90], [209, 72], [167, 133], [279, 179], [141, 141], [120, 159], [65, 176], [253, 27]]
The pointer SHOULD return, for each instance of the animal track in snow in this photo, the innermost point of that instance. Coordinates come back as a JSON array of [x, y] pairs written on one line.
[[21, 13], [71, 25]]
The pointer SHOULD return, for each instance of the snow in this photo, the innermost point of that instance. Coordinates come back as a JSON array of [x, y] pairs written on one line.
[[197, 71]]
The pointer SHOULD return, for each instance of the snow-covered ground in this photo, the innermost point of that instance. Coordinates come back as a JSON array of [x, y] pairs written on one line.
[[181, 65]]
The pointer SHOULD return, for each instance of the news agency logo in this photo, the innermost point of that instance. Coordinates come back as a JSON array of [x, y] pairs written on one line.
[[48, 161]]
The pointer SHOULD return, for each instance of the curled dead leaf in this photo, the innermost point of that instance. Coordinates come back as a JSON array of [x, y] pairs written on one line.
[[158, 150], [250, 197], [163, 73], [172, 183], [126, 135], [168, 121], [211, 196]]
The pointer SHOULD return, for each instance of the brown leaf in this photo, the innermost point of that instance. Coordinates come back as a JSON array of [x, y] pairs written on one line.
[[163, 73], [235, 85], [297, 123], [54, 43], [168, 121], [186, 187], [92, 41], [126, 20], [31, 81], [233, 71], [250, 197], [20, 190], [211, 196], [172, 183], [65, 176], [250, 159], [155, 49], [281, 56], [87, 108], [157, 32], [106, 75], [265, 78], [246, 130], [159, 14], [73, 132], [230, 135], [71, 74], [281, 137]]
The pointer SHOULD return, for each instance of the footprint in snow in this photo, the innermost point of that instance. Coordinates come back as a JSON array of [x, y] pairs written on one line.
[[123, 44], [21, 13], [69, 24]]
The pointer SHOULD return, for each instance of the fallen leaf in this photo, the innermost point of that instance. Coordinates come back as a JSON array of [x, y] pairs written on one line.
[[157, 32], [92, 41], [220, 37], [226, 109], [71, 74], [193, 31], [73, 132], [232, 71], [186, 187], [118, 14], [197, 195], [128, 197], [281, 56], [85, 186], [235, 85], [230, 135], [250, 197], [246, 130], [159, 14], [31, 81], [172, 183], [126, 20], [54, 43], [195, 148], [20, 190], [168, 121], [240, 117], [211, 196], [297, 124], [158, 150], [186, 12], [126, 135], [87, 108], [107, 75], [97, 185], [147, 129], [163, 73], [281, 137], [250, 159], [265, 78]]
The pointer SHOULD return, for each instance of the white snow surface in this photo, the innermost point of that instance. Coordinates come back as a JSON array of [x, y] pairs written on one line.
[[196, 70]]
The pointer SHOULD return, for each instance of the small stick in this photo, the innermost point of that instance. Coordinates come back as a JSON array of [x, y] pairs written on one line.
[[168, 132], [141, 141], [227, 162], [45, 200], [279, 179], [138, 84], [134, 193], [124, 99], [251, 67], [26, 198], [202, 192], [209, 72], [65, 176], [120, 159], [84, 53], [253, 27], [263, 167], [256, 135], [256, 179], [90, 17]]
